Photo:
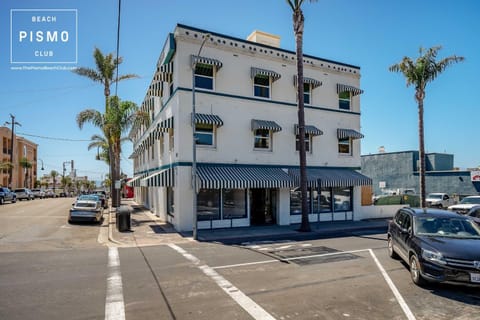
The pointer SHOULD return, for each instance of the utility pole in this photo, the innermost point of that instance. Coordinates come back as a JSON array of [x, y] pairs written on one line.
[[12, 123]]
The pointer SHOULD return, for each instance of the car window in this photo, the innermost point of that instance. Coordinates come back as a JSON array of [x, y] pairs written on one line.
[[446, 227], [475, 213]]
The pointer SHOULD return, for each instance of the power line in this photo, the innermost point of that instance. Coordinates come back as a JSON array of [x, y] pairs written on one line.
[[53, 138]]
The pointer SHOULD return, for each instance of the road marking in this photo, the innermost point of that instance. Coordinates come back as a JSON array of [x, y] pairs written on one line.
[[239, 297], [394, 289], [244, 264], [114, 305]]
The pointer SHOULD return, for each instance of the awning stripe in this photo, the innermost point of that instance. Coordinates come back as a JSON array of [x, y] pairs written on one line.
[[325, 177], [265, 124], [263, 72], [165, 72], [314, 82], [348, 133], [163, 178], [214, 62], [135, 181], [155, 89], [164, 125], [314, 131], [203, 118], [347, 88], [242, 177]]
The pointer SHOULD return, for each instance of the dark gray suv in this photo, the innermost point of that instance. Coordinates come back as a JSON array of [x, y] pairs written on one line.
[[7, 195]]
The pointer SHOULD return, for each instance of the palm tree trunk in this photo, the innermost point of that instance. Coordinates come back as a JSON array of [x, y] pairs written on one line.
[[298, 23], [421, 148], [112, 176]]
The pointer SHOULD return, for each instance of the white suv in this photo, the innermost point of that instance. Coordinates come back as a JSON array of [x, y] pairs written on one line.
[[24, 194], [465, 205]]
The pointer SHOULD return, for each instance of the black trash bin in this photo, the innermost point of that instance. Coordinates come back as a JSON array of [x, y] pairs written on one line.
[[123, 219]]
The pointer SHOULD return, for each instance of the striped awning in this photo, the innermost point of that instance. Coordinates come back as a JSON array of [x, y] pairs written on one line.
[[348, 133], [314, 131], [265, 124], [331, 177], [155, 89], [135, 181], [164, 125], [203, 118], [346, 88], [314, 82], [257, 71], [163, 178], [214, 62], [165, 72], [242, 177]]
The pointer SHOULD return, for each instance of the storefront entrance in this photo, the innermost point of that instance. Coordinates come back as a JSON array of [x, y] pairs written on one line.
[[263, 209]]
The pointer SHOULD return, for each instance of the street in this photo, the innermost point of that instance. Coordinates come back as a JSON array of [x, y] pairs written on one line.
[[52, 270]]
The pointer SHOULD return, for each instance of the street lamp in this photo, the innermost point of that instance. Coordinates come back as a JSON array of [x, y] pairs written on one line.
[[194, 142], [13, 123], [42, 164]]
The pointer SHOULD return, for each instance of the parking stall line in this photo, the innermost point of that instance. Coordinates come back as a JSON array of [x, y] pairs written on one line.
[[256, 311], [394, 289], [114, 304]]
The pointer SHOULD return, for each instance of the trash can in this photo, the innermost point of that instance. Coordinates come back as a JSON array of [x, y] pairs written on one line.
[[123, 219]]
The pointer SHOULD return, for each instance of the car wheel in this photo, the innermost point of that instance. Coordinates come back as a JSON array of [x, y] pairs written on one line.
[[391, 252], [14, 200], [1, 201], [415, 271]]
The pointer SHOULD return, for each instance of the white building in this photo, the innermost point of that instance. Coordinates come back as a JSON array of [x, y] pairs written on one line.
[[246, 125]]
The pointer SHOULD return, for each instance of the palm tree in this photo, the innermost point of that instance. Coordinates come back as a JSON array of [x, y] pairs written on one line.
[[419, 73], [106, 65], [54, 175], [117, 120], [298, 23], [26, 165], [101, 143]]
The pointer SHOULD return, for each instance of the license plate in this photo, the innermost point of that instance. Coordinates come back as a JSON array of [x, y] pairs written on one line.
[[475, 277]]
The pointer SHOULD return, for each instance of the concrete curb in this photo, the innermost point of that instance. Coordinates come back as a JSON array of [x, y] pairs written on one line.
[[110, 231]]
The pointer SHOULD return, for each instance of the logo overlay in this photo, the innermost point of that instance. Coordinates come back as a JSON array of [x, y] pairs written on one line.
[[43, 36]]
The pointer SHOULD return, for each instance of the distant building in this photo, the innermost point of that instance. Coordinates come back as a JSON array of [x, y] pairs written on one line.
[[392, 171], [22, 148]]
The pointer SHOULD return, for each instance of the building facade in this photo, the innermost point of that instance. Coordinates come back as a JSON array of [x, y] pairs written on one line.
[[246, 134], [399, 171], [22, 177]]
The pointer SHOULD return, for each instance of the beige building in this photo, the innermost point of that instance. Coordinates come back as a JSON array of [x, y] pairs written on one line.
[[22, 148]]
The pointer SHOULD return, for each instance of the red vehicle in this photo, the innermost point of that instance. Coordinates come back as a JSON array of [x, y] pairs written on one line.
[[127, 192]]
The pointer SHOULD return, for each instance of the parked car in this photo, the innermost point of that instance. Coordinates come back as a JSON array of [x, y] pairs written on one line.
[[103, 197], [474, 213], [86, 208], [465, 205], [49, 193], [439, 200], [24, 194], [38, 193], [438, 245], [6, 195]]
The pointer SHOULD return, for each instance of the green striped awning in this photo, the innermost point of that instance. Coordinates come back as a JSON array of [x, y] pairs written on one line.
[[314, 82], [165, 72], [203, 118], [331, 177], [347, 88], [314, 131], [163, 178], [348, 133], [263, 72], [242, 177], [135, 181], [155, 89], [265, 124], [214, 62], [166, 124]]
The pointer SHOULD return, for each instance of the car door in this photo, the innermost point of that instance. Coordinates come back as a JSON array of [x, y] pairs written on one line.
[[405, 233]]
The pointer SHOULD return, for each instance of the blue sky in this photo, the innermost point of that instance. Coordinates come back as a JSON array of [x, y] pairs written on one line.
[[372, 34]]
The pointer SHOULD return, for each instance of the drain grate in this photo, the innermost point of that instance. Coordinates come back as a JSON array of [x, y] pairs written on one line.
[[313, 255]]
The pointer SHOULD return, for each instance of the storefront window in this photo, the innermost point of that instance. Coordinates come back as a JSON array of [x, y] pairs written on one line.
[[234, 205], [208, 204], [343, 199], [326, 200], [296, 201]]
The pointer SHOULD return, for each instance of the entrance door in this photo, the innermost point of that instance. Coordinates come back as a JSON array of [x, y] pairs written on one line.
[[263, 206]]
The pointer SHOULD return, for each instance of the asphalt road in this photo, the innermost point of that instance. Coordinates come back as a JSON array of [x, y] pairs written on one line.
[[52, 270]]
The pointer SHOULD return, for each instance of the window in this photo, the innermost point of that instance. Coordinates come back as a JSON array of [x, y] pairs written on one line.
[[263, 139], [307, 90], [170, 202], [208, 204], [308, 142], [344, 146], [205, 134], [204, 76], [234, 204], [344, 100], [261, 86], [342, 199], [295, 201], [322, 202]]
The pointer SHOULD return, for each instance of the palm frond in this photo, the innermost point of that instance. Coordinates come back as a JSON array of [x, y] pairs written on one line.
[[90, 116]]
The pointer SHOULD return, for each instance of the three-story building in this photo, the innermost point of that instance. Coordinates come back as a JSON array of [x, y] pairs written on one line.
[[246, 134]]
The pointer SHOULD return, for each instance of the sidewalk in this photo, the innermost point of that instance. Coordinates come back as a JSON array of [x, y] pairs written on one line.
[[147, 229]]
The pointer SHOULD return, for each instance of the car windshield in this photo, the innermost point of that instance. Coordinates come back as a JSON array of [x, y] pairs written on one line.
[[446, 227], [88, 197], [468, 200], [434, 196]]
